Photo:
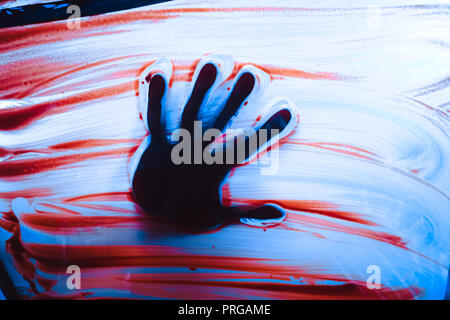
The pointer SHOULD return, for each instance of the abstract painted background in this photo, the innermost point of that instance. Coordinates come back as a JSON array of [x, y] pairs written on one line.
[[365, 177]]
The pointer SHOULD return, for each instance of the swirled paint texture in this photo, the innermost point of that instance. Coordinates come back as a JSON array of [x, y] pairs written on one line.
[[365, 177]]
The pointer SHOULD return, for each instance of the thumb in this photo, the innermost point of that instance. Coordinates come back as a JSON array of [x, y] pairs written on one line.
[[267, 215]]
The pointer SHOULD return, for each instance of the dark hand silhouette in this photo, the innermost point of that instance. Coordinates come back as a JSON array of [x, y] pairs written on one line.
[[189, 193]]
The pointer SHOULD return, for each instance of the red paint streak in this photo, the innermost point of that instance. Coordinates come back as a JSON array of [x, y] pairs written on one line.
[[180, 66], [57, 296], [15, 38], [37, 165], [54, 258], [146, 255], [9, 153], [348, 291], [226, 192], [59, 208], [329, 225], [91, 143], [18, 117], [60, 223], [100, 259], [25, 74], [281, 72], [142, 68], [205, 276], [107, 196], [95, 80], [40, 73], [105, 208], [7, 224], [346, 146], [183, 77], [206, 285], [293, 73], [26, 193], [325, 146], [312, 206], [183, 72]]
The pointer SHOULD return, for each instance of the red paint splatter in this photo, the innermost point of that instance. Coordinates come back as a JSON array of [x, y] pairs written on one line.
[[18, 117], [32, 166]]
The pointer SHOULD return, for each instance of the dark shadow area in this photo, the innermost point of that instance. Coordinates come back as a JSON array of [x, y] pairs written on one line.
[[53, 11], [6, 285]]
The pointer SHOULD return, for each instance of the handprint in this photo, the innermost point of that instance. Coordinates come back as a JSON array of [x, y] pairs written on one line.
[[189, 192]]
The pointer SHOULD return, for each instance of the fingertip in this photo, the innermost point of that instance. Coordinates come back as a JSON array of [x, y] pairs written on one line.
[[157, 87], [261, 79], [156, 77], [224, 65], [282, 115], [206, 77], [163, 67], [244, 85]]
